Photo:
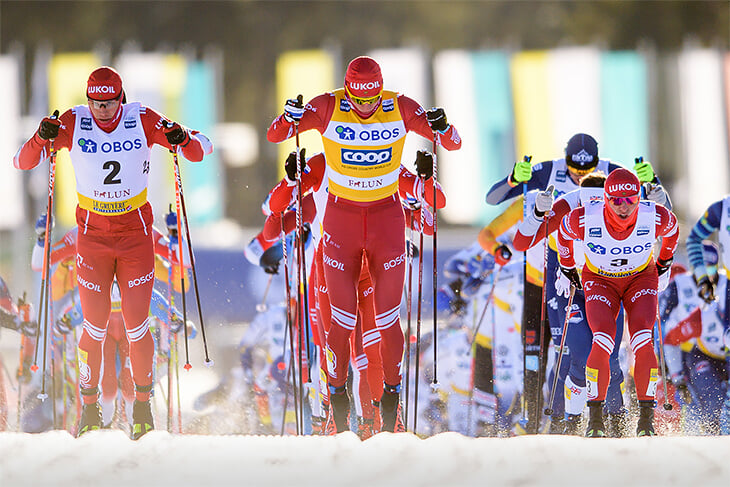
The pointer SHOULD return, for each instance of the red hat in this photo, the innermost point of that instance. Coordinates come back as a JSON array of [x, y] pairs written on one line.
[[104, 84], [363, 78], [622, 182]]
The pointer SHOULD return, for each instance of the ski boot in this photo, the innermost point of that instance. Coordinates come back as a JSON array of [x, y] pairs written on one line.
[[596, 428], [317, 425], [364, 428], [618, 424], [557, 426], [645, 425], [142, 420], [339, 417], [90, 418], [389, 409], [377, 419], [572, 424]]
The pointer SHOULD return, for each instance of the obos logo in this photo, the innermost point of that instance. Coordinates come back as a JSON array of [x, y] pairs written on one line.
[[85, 123], [597, 249], [594, 232], [345, 133], [366, 157], [87, 145]]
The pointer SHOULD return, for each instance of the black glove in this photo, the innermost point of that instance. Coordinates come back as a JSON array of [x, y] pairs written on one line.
[[457, 303], [437, 120], [706, 289], [269, 260], [290, 166], [573, 276], [680, 383], [424, 164], [8, 320], [49, 127], [502, 254], [663, 266], [176, 135]]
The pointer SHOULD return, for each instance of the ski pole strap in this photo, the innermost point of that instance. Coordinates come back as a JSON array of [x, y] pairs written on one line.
[[91, 391], [143, 389]]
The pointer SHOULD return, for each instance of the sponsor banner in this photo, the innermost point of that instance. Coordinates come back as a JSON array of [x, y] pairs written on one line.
[[309, 73], [624, 108], [574, 83], [406, 71], [203, 182], [495, 132], [531, 95], [459, 171], [67, 75], [12, 199], [703, 127]]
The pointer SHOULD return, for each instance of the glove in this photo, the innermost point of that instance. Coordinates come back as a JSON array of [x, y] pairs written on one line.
[[662, 267], [49, 126], [62, 326], [176, 135], [565, 278], [502, 254], [29, 328], [271, 268], [40, 229], [294, 109], [680, 383], [643, 170], [424, 164], [522, 172], [8, 320], [544, 201], [437, 120], [290, 166], [656, 193], [269, 260], [706, 289], [175, 324]]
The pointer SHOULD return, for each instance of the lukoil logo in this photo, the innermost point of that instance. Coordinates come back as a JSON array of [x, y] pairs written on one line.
[[623, 187], [101, 90], [366, 157], [87, 145], [370, 85]]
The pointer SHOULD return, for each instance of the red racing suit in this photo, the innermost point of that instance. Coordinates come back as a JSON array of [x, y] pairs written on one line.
[[364, 214], [619, 269], [115, 226]]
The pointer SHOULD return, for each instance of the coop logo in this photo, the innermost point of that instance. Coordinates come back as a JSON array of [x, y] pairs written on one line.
[[595, 232], [642, 230], [88, 146], [561, 176], [366, 157], [85, 123], [344, 105], [141, 280], [130, 123], [345, 133], [596, 249], [388, 105]]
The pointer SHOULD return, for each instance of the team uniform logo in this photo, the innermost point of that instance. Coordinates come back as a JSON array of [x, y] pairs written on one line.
[[345, 133], [85, 123], [87, 145], [357, 157]]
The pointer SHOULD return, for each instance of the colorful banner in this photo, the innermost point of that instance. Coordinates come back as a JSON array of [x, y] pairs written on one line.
[[703, 125], [625, 109], [12, 198], [309, 73], [67, 75]]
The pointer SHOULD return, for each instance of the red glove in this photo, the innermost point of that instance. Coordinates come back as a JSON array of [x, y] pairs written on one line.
[[502, 254], [688, 328]]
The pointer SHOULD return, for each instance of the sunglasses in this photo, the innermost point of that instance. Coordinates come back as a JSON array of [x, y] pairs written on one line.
[[362, 101], [580, 172], [620, 200], [99, 103]]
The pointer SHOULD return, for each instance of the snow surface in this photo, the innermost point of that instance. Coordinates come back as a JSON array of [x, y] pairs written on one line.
[[110, 458]]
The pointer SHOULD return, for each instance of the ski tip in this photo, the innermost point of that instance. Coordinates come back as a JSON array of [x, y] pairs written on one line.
[[34, 368], [187, 366], [209, 362], [42, 396]]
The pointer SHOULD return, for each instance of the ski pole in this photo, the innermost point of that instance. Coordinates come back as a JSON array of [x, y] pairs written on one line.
[[524, 281], [290, 330], [434, 380], [180, 202], [261, 307], [419, 308], [170, 312], [409, 305], [543, 304], [486, 305], [667, 405], [549, 410]]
